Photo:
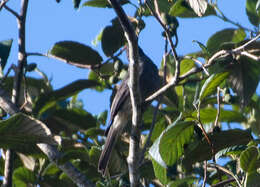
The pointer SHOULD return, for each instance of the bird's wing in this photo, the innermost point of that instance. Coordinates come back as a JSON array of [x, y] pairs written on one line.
[[121, 96]]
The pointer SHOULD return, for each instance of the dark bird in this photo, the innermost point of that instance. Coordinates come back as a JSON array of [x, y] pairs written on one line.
[[121, 109]]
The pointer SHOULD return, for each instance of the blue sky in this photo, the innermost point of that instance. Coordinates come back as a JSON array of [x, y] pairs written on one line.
[[49, 22]]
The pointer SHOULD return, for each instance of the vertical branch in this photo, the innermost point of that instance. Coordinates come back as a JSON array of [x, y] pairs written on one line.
[[21, 19], [134, 149]]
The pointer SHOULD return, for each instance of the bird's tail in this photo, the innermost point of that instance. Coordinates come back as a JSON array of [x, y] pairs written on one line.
[[112, 136]]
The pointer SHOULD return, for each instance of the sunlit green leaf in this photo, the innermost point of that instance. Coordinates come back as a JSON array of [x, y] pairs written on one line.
[[208, 115], [182, 182], [252, 13], [160, 172], [172, 142], [211, 84], [249, 161], [22, 177]]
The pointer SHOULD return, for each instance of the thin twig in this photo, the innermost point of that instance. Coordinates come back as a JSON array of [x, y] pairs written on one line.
[[205, 174], [11, 11], [199, 62], [222, 183], [211, 61], [225, 171], [218, 109], [2, 4]]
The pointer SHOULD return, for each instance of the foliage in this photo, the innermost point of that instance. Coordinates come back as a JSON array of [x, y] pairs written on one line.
[[193, 122]]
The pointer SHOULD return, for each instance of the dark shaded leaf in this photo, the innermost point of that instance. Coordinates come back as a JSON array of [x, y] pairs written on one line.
[[183, 182], [252, 13], [74, 154], [112, 39], [198, 6], [252, 179], [21, 133], [182, 9], [249, 161], [49, 99], [102, 3], [244, 78], [201, 150], [75, 118], [5, 47], [211, 84], [76, 3], [215, 42], [76, 54]]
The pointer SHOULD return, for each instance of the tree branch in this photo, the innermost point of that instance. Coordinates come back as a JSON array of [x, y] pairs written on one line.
[[134, 149], [3, 4], [51, 152], [21, 20], [211, 61]]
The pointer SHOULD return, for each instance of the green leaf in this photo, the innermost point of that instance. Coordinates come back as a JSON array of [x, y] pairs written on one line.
[[76, 54], [21, 133], [211, 84], [74, 154], [208, 115], [94, 132], [249, 159], [200, 150], [183, 182], [215, 42], [252, 179], [198, 6], [257, 6], [231, 151], [112, 38], [203, 47], [182, 9], [102, 3], [5, 47], [252, 13], [172, 141], [102, 117], [23, 177], [186, 65], [244, 78], [47, 100], [74, 118], [160, 172]]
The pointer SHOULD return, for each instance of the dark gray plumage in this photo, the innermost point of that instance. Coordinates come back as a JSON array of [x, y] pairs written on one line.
[[121, 109]]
